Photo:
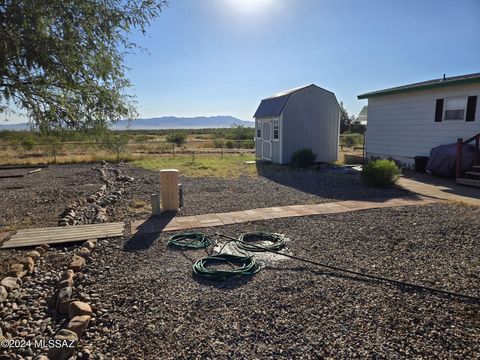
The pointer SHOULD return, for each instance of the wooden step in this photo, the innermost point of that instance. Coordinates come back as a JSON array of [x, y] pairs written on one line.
[[473, 173], [476, 167], [469, 182]]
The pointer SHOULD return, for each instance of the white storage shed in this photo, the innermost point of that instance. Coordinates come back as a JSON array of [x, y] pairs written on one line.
[[305, 117]]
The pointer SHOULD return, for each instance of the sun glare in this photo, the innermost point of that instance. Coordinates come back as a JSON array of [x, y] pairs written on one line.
[[250, 6]]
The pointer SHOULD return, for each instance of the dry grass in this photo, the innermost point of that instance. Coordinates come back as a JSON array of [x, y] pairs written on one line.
[[227, 167], [349, 156], [139, 207], [70, 159]]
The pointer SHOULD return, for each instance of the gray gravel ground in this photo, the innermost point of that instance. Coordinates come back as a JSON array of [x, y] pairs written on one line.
[[273, 187], [38, 199], [295, 310]]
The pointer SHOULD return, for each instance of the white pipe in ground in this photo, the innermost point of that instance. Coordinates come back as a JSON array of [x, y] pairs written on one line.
[[169, 189], [155, 199]]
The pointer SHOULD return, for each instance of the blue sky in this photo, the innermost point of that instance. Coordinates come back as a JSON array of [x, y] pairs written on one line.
[[212, 57]]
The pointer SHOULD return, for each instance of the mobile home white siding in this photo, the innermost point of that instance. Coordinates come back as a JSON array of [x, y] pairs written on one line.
[[402, 125]]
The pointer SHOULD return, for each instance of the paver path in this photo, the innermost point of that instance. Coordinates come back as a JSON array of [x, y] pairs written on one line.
[[158, 224]]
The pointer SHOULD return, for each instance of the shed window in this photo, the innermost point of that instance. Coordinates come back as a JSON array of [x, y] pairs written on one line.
[[275, 129], [455, 109], [259, 129]]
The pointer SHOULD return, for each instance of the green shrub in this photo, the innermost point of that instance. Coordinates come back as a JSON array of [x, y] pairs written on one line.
[[246, 144], [380, 173], [218, 143], [28, 144], [351, 140], [303, 158], [177, 138], [229, 144]]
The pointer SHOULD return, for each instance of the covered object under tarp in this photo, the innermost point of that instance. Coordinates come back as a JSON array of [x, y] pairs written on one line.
[[443, 158]]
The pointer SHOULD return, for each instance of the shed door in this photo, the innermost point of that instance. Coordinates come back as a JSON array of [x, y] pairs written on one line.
[[267, 140]]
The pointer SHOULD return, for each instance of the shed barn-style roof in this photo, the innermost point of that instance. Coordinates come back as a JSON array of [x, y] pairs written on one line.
[[429, 84], [273, 106]]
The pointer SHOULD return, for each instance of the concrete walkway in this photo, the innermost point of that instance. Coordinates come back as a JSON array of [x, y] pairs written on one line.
[[175, 223], [439, 188]]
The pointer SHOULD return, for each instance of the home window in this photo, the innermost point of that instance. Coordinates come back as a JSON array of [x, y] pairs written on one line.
[[259, 129], [275, 129], [455, 109]]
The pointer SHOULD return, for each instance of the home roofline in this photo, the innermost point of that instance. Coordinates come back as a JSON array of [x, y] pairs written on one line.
[[422, 86]]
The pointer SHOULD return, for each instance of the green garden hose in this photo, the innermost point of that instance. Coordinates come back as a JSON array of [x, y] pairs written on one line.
[[275, 241], [246, 265], [190, 241]]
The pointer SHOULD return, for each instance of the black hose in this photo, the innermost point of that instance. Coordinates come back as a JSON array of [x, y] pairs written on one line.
[[275, 241], [245, 265], [190, 241], [375, 277]]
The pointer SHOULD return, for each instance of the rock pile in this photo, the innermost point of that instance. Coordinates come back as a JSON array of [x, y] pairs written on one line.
[[79, 313], [23, 295], [40, 304], [93, 209]]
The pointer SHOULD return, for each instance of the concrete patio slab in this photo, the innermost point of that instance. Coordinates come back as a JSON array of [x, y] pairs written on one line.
[[439, 188]]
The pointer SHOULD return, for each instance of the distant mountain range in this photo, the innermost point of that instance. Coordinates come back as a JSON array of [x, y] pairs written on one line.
[[165, 122]]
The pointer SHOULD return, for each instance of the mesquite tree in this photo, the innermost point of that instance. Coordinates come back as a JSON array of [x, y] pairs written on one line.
[[62, 61]]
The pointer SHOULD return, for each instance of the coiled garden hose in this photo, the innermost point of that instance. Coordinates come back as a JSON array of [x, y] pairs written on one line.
[[243, 265], [275, 241], [190, 241]]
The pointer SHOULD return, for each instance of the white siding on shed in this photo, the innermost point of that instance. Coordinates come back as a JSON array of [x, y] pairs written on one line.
[[402, 125], [312, 122]]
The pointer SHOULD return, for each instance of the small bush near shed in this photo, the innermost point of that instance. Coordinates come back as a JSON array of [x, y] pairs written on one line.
[[380, 173], [303, 158]]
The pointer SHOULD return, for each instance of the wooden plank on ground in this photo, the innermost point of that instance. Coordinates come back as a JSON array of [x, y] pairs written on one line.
[[26, 166], [76, 228], [60, 235], [11, 176]]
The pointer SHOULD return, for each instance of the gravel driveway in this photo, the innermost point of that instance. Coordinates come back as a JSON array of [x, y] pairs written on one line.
[[154, 309]]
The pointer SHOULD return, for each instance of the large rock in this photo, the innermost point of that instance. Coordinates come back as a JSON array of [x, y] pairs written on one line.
[[77, 263], [68, 274], [40, 250], [28, 263], [34, 254], [65, 283], [17, 270], [45, 247], [67, 337], [11, 283], [79, 308], [90, 244], [63, 300], [3, 294], [84, 252], [79, 324]]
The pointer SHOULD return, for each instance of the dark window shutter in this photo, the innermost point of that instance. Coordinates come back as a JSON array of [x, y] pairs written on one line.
[[471, 107], [439, 110]]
